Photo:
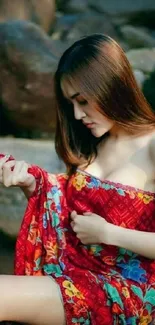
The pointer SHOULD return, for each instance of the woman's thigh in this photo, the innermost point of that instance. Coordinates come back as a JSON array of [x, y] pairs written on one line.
[[34, 300]]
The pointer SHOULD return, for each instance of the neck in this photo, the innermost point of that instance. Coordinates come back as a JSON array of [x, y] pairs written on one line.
[[125, 141], [121, 135]]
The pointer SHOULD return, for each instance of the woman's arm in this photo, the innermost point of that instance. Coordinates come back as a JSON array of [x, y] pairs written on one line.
[[139, 242], [29, 190], [90, 228]]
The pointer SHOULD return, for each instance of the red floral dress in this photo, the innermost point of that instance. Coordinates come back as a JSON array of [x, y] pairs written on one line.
[[100, 284]]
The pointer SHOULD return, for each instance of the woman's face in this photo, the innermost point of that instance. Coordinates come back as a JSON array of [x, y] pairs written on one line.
[[86, 112]]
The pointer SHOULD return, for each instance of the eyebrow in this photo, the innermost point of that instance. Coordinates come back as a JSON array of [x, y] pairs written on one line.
[[75, 95]]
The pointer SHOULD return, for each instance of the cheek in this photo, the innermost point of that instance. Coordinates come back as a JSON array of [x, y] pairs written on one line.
[[110, 124], [105, 123]]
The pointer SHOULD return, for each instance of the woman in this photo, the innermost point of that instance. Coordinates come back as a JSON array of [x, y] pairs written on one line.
[[91, 230]]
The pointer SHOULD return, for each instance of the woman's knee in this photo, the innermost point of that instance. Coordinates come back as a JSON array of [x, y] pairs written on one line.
[[32, 300]]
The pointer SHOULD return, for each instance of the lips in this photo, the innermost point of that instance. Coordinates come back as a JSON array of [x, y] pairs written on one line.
[[89, 125]]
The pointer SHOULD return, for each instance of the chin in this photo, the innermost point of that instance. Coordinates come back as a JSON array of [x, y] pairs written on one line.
[[98, 133]]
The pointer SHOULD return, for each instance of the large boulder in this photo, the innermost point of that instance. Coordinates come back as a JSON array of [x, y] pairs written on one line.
[[28, 59], [119, 7], [90, 23], [7, 248], [148, 89], [137, 37], [142, 59], [41, 12]]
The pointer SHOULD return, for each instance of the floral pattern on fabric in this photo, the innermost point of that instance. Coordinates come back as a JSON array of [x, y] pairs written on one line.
[[100, 284]]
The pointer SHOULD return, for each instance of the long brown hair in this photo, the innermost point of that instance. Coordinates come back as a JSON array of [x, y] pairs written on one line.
[[98, 67]]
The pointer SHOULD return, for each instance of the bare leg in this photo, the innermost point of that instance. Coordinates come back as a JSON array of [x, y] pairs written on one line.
[[32, 300]]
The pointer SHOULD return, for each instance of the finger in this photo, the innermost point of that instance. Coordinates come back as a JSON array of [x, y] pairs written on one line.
[[85, 241], [18, 167], [7, 156], [10, 170], [82, 238], [73, 215], [3, 160], [79, 236], [1, 170], [19, 172], [23, 177], [72, 224], [87, 213], [6, 172], [8, 164], [75, 228]]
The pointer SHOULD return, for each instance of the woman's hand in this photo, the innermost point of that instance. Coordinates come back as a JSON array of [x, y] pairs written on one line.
[[15, 173], [90, 228]]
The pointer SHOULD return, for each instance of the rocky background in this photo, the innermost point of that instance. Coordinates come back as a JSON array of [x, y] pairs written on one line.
[[33, 35]]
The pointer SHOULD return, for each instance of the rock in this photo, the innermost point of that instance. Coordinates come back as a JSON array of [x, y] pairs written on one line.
[[41, 12], [44, 13], [143, 19], [28, 60], [137, 37], [119, 7], [7, 248], [152, 32], [74, 6], [140, 77], [148, 89], [90, 23], [64, 23], [12, 200], [61, 5], [41, 153], [142, 59]]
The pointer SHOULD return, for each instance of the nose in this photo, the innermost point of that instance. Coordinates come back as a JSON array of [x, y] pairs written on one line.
[[78, 112]]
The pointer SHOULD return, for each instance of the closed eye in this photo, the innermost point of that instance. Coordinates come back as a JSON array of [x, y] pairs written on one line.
[[82, 102]]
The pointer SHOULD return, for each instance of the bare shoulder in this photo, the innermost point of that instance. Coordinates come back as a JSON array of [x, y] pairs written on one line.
[[152, 149]]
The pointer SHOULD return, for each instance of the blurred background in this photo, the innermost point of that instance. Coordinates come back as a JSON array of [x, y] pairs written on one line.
[[33, 35]]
